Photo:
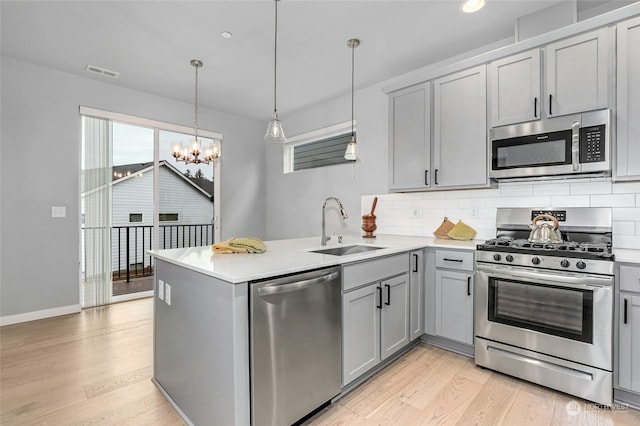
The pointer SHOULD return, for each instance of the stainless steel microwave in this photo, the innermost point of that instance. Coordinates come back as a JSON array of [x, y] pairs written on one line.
[[568, 145]]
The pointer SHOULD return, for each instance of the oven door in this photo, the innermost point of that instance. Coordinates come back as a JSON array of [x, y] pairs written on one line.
[[568, 316]]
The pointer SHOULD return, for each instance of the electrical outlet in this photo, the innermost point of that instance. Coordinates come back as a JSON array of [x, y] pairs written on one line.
[[167, 293], [160, 289], [474, 211], [415, 211]]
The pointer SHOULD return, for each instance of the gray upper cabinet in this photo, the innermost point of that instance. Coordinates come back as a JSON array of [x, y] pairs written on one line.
[[515, 87], [460, 129], [627, 164], [410, 138], [577, 73]]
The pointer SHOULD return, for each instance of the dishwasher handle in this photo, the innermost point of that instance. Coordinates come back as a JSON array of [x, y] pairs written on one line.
[[270, 289]]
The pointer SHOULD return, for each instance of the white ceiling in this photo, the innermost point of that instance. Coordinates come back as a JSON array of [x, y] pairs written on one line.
[[150, 43]]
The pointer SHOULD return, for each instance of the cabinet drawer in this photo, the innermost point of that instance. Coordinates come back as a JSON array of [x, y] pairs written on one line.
[[630, 278], [374, 270], [461, 260]]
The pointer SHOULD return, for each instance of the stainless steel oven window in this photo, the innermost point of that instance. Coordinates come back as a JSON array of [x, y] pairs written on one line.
[[559, 311]]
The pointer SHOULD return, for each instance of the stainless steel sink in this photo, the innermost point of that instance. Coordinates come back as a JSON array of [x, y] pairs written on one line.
[[344, 250]]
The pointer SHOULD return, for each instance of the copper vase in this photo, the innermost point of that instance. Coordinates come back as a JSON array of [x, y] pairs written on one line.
[[369, 225]]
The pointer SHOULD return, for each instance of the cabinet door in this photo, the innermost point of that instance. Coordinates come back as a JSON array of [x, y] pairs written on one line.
[[394, 323], [627, 164], [629, 350], [577, 73], [430, 292], [460, 129], [360, 331], [416, 293], [515, 88], [454, 306], [410, 138]]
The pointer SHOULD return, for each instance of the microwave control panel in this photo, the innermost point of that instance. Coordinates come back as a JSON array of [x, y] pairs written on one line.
[[592, 144]]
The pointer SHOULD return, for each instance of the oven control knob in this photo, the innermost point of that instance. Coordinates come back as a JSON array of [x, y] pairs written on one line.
[[497, 257], [509, 258], [535, 260], [564, 263], [581, 264]]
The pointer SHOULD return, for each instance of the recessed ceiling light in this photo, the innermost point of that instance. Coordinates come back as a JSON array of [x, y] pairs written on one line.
[[470, 6], [226, 34]]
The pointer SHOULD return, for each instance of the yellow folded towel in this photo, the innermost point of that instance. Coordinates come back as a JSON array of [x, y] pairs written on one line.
[[224, 247], [240, 245], [462, 231]]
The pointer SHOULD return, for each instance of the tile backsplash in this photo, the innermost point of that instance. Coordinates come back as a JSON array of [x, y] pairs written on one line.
[[420, 213]]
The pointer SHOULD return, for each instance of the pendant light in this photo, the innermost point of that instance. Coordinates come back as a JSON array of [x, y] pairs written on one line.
[[191, 153], [275, 133], [351, 152]]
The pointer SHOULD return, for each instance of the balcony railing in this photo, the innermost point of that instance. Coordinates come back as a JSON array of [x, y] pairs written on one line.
[[130, 243]]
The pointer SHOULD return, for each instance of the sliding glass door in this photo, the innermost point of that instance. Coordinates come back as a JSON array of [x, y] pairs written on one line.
[[135, 197]]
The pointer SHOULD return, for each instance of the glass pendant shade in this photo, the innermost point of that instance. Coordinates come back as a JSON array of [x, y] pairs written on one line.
[[274, 133], [351, 153]]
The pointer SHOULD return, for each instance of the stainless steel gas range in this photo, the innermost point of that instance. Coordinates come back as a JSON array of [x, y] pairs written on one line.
[[544, 300]]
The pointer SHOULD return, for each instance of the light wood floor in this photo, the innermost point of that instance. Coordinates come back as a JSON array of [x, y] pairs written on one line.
[[95, 368]]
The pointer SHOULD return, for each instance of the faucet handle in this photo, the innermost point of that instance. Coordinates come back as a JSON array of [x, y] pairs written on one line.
[[339, 239]]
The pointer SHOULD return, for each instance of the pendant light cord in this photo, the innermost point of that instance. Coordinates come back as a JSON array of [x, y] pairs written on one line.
[[353, 49], [275, 58], [195, 127]]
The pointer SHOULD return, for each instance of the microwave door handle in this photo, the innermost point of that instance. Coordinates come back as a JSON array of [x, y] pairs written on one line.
[[575, 146]]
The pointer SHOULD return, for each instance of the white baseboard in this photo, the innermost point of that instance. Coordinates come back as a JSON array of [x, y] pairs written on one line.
[[132, 296], [36, 315]]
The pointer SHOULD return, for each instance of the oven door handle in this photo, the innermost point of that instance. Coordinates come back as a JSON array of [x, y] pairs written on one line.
[[589, 281]]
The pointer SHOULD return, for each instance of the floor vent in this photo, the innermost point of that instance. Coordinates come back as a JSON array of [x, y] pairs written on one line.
[[103, 71]]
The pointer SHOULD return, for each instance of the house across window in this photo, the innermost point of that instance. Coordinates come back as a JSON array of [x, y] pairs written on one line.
[[319, 148], [135, 217], [168, 217]]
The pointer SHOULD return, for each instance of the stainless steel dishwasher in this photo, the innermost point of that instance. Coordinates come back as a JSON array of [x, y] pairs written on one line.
[[296, 349]]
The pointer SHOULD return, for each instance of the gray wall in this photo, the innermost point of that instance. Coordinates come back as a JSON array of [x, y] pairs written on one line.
[[294, 200], [40, 160]]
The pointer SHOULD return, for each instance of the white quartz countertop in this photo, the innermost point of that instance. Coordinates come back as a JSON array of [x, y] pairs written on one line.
[[294, 255], [627, 255]]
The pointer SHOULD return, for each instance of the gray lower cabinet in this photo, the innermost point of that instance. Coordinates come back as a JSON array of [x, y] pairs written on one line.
[[449, 298], [375, 316], [454, 305], [629, 329], [416, 293]]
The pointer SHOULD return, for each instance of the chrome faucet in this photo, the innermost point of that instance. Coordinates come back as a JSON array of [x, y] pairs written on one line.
[[324, 238]]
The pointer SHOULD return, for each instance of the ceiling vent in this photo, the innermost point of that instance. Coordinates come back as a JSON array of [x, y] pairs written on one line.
[[102, 71]]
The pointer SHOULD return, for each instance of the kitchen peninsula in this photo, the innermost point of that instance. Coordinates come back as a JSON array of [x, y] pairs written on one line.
[[201, 321]]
